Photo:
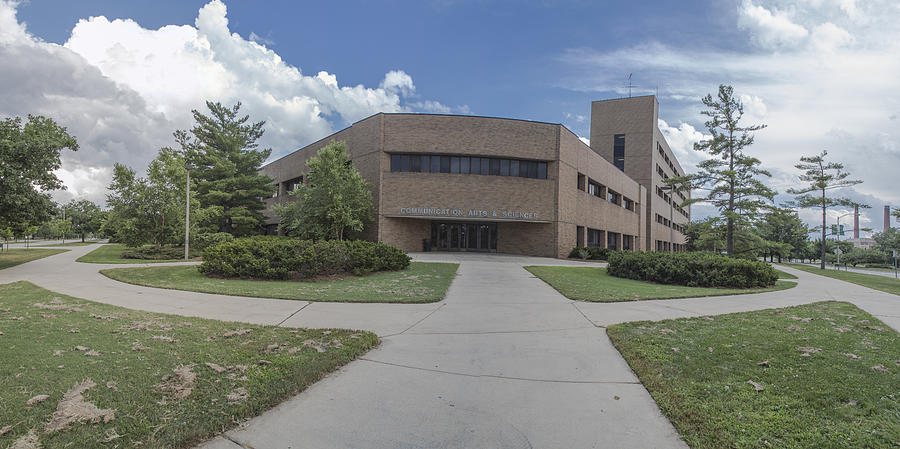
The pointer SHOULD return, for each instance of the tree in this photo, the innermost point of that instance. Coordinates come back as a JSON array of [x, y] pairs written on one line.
[[887, 241], [730, 176], [822, 177], [83, 215], [782, 227], [151, 209], [29, 155], [223, 152], [335, 203]]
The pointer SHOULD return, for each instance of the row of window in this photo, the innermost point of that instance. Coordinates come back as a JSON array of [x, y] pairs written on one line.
[[669, 224], [424, 163], [592, 187], [663, 246], [666, 158], [668, 199], [596, 238], [663, 175]]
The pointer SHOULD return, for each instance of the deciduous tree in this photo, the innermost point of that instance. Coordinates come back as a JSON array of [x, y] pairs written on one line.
[[83, 214], [29, 155], [334, 204]]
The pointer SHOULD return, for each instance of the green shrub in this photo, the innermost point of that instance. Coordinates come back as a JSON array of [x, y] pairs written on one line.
[[589, 252], [691, 269], [204, 240], [271, 257], [153, 252]]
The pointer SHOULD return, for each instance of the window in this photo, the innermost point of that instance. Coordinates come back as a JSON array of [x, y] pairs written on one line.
[[595, 189], [594, 237], [614, 197], [619, 151], [579, 235], [628, 204], [612, 240], [628, 242], [582, 184], [468, 165]]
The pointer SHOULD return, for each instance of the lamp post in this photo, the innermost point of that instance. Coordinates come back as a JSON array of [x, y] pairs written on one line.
[[839, 224], [187, 210], [671, 223]]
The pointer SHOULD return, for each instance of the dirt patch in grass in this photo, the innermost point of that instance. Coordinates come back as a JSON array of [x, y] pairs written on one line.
[[762, 385], [103, 376]]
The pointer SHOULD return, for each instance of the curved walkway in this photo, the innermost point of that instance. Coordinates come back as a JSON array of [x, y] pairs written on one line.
[[503, 361]]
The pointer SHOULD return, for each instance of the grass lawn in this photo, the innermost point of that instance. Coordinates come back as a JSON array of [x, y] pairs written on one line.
[[421, 282], [75, 243], [594, 285], [18, 256], [829, 376], [147, 379], [112, 253], [883, 283]]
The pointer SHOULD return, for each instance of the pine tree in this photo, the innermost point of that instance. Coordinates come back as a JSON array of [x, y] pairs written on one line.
[[822, 176], [730, 176], [222, 153]]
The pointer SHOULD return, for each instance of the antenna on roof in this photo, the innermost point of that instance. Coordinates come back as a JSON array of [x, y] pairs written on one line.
[[629, 85]]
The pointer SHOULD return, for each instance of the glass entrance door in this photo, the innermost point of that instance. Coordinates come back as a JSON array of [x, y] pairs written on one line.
[[457, 236]]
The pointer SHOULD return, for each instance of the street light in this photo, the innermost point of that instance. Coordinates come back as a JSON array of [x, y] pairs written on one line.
[[187, 210], [671, 222], [839, 224]]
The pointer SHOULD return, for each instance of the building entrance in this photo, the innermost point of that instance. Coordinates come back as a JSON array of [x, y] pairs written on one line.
[[456, 236]]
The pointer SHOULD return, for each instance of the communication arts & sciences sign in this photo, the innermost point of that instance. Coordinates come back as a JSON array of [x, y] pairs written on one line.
[[468, 213]]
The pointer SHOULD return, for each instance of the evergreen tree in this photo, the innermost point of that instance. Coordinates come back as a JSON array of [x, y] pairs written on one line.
[[822, 177], [222, 152], [334, 204], [730, 177]]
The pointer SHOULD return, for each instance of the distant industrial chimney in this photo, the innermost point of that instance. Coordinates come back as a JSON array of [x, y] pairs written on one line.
[[856, 221], [887, 218]]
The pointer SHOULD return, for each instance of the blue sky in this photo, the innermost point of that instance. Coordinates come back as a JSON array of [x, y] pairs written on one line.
[[124, 75]]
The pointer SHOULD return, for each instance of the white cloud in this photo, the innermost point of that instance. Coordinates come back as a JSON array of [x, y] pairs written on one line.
[[770, 30], [828, 37], [122, 89]]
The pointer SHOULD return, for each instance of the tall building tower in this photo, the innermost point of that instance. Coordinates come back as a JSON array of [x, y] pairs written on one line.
[[625, 132]]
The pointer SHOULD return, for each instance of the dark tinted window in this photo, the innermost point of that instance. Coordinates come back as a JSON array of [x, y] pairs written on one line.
[[435, 164], [619, 151], [495, 166], [426, 163], [415, 163], [542, 170], [445, 164], [395, 162], [513, 168], [464, 163], [404, 163], [454, 164], [485, 166], [504, 167]]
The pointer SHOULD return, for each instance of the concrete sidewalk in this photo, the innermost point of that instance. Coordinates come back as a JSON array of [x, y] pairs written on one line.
[[503, 361]]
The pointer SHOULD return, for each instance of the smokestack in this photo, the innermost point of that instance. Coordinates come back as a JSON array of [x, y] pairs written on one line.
[[887, 218], [856, 221]]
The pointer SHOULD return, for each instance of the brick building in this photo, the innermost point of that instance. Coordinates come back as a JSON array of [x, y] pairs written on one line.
[[513, 186]]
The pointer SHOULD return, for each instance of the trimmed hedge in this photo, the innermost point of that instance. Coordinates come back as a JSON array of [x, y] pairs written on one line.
[[589, 252], [691, 269], [204, 240], [272, 257], [152, 252]]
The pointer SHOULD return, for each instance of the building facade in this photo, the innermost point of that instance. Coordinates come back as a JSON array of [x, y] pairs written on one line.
[[467, 183]]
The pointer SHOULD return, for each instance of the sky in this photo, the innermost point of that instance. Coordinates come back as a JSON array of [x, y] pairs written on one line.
[[122, 76]]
